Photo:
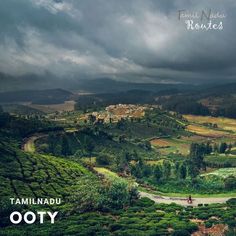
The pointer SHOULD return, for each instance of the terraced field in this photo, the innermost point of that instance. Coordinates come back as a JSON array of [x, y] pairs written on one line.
[[212, 127], [221, 160], [207, 132], [27, 174], [200, 127], [66, 106], [171, 145], [223, 123], [222, 173]]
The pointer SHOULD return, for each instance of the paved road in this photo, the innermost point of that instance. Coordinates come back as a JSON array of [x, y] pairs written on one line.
[[183, 201]]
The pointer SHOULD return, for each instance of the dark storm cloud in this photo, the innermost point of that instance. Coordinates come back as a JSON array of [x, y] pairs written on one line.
[[134, 40]]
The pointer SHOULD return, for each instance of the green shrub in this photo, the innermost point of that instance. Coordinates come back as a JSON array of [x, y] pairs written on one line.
[[231, 202], [181, 233], [145, 202], [103, 159], [208, 224]]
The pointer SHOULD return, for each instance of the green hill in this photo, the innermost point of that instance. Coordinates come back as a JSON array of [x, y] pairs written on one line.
[[33, 175]]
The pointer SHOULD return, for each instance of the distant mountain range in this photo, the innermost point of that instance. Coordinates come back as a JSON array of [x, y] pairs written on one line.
[[49, 96], [99, 85], [216, 99]]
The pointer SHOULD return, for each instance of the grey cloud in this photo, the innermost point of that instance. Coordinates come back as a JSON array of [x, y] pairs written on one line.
[[134, 39]]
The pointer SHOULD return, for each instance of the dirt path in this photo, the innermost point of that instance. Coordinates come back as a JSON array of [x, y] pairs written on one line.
[[183, 201], [29, 143]]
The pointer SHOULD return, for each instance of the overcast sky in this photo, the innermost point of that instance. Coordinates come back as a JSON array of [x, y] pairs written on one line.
[[134, 40]]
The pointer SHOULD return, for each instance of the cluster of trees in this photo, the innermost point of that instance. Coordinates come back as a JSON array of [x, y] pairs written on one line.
[[184, 105], [132, 163], [208, 148], [181, 175], [228, 110], [196, 157], [180, 170], [157, 118], [144, 217], [222, 147], [230, 183], [160, 172], [4, 118], [64, 144], [19, 127], [164, 119], [103, 159], [108, 195], [50, 96], [219, 161]]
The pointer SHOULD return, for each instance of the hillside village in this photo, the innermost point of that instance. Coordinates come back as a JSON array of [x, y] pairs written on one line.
[[114, 113]]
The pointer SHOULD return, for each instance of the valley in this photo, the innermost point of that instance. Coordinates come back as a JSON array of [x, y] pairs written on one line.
[[138, 158], [116, 119]]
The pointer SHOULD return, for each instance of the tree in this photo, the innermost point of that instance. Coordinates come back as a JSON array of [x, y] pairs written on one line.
[[197, 152], [208, 148], [4, 118], [116, 195], [122, 138], [91, 118], [103, 159], [193, 171], [123, 164], [148, 145], [230, 183], [215, 148], [166, 169], [158, 173], [65, 147], [181, 233], [136, 171], [89, 146], [147, 170], [120, 124], [223, 147], [51, 143], [133, 193], [183, 171], [230, 147], [86, 195], [177, 169]]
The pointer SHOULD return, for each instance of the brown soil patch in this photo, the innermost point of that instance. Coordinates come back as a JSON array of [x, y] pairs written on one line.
[[66, 106], [215, 230], [223, 123], [160, 142], [204, 131]]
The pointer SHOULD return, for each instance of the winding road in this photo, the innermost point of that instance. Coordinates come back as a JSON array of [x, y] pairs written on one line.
[[28, 145], [183, 201]]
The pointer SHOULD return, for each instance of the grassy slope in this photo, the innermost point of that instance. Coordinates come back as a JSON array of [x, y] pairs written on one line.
[[111, 175], [33, 175], [197, 195], [222, 173], [222, 122]]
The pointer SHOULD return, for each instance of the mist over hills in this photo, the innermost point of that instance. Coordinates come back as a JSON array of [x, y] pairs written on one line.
[[98, 85], [50, 96], [48, 89]]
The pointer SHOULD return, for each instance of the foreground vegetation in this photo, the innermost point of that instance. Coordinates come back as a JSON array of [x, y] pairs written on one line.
[[142, 218], [74, 164], [157, 149]]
